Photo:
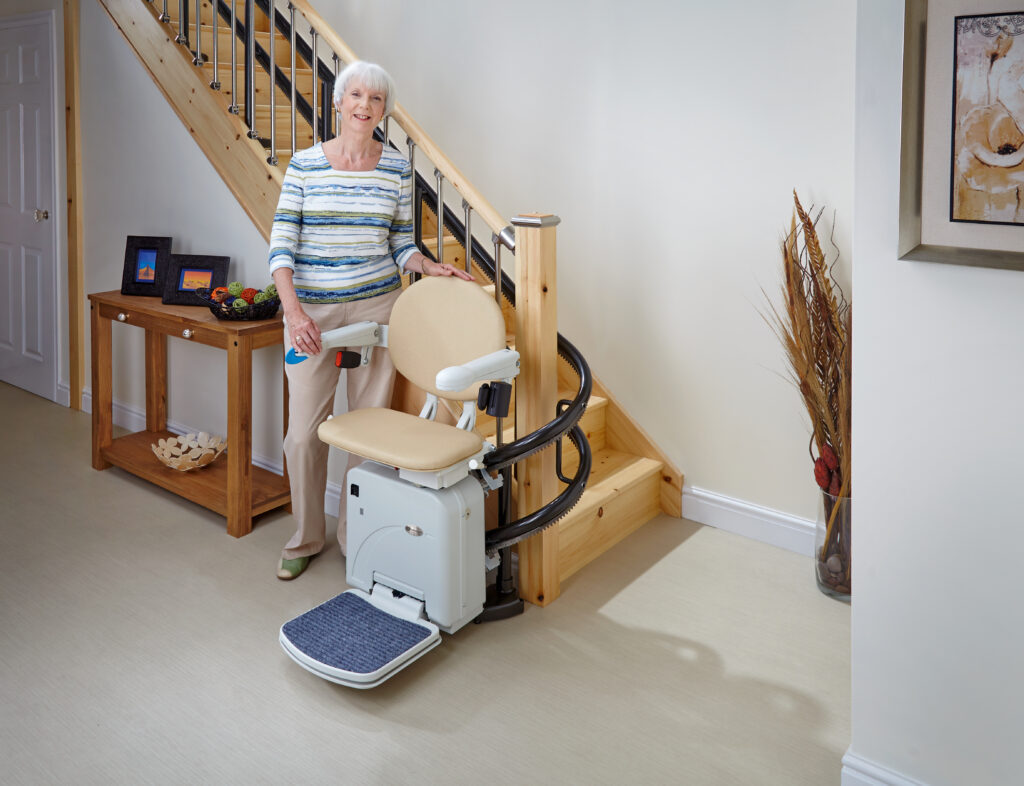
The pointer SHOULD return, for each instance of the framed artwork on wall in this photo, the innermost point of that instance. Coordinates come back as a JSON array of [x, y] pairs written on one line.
[[189, 272], [145, 265], [962, 147]]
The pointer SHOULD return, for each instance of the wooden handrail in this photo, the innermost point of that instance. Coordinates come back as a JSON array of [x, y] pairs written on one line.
[[412, 129]]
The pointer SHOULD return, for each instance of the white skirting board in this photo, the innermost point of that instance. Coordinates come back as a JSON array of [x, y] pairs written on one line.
[[752, 521], [858, 771]]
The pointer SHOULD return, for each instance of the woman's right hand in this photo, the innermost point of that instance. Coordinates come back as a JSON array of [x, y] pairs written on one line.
[[302, 331]]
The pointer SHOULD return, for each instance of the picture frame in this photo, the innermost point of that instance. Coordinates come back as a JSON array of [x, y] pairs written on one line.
[[187, 272], [926, 231], [146, 259]]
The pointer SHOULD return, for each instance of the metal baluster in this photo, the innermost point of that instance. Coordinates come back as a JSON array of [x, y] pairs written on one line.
[[233, 109], [497, 268], [164, 16], [182, 36], [387, 125], [316, 79], [325, 111], [468, 210], [215, 84], [334, 104], [291, 22], [250, 68], [272, 158], [198, 59], [440, 217]]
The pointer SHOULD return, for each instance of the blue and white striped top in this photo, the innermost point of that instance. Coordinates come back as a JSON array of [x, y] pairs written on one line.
[[343, 233]]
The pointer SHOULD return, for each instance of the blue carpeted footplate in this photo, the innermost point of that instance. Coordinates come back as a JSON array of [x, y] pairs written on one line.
[[350, 634]]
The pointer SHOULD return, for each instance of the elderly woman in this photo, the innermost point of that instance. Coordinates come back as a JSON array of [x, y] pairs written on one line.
[[342, 236]]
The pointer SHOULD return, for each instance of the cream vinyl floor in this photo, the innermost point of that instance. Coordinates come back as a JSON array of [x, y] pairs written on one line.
[[138, 645]]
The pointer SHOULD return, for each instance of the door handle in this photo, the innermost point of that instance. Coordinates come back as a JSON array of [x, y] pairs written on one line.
[[41, 215]]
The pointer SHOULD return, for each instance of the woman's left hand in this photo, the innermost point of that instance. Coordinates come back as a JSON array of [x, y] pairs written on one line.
[[432, 268]]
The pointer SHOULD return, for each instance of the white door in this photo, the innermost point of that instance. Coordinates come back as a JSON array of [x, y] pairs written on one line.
[[28, 276]]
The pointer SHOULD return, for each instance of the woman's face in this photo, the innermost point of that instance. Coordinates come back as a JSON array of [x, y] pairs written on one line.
[[361, 108]]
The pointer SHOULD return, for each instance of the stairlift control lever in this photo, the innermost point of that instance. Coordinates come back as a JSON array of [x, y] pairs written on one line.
[[365, 335], [503, 364]]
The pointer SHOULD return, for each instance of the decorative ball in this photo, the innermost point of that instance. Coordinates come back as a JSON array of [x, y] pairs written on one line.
[[248, 294], [271, 290], [235, 288], [239, 304]]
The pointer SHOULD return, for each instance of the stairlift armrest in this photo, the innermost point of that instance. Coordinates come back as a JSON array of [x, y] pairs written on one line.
[[358, 334], [365, 335], [503, 364]]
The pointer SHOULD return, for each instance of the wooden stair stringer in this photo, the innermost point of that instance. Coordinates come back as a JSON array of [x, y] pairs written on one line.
[[222, 136]]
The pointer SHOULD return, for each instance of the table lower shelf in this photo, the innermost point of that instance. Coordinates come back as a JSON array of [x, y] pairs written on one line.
[[207, 486]]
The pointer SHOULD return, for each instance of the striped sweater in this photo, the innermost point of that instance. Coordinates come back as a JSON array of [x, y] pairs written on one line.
[[343, 233]]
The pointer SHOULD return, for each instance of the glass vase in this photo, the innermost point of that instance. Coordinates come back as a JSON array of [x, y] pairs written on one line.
[[832, 546]]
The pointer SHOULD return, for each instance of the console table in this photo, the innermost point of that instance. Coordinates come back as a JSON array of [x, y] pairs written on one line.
[[231, 485]]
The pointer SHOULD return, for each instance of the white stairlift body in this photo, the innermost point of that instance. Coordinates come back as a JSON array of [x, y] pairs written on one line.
[[416, 557]]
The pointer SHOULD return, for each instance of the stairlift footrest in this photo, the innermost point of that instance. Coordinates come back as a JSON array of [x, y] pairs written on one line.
[[358, 640]]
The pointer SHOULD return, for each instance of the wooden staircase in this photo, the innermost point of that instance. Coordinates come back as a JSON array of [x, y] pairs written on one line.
[[631, 480]]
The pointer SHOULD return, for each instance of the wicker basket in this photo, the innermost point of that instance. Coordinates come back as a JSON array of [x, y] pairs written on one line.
[[264, 310]]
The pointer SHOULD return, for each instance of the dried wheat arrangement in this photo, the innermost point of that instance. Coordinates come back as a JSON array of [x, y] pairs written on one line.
[[814, 326]]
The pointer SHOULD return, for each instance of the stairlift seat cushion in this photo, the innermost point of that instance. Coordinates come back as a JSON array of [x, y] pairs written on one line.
[[350, 634], [399, 439]]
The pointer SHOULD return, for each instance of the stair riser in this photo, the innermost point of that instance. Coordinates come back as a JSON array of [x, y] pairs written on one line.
[[598, 524], [593, 427]]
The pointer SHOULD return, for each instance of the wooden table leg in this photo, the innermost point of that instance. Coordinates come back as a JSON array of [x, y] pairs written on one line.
[[102, 387], [156, 381], [239, 450]]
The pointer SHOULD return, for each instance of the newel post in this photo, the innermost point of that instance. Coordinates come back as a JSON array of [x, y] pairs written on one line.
[[537, 395]]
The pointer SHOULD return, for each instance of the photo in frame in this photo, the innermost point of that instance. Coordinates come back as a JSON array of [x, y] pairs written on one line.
[[188, 272], [940, 125], [987, 168], [146, 260]]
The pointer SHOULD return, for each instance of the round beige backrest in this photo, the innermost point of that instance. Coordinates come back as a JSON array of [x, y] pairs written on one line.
[[443, 321]]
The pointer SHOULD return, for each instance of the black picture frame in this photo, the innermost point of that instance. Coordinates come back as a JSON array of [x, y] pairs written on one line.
[[187, 272], [146, 259]]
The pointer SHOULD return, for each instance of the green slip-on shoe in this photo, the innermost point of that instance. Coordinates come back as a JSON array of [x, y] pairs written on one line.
[[292, 568]]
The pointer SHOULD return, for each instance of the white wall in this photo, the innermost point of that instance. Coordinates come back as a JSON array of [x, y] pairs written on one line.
[[144, 175], [936, 639], [668, 137]]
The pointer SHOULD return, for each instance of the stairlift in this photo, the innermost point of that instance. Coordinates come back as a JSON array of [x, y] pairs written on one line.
[[417, 561]]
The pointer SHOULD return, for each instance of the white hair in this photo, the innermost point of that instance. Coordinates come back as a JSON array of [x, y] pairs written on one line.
[[372, 76]]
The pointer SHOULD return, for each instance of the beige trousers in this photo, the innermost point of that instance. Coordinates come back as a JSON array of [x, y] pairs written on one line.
[[311, 388]]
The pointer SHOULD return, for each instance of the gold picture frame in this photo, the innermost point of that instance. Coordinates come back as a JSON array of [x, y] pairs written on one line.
[[912, 246]]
